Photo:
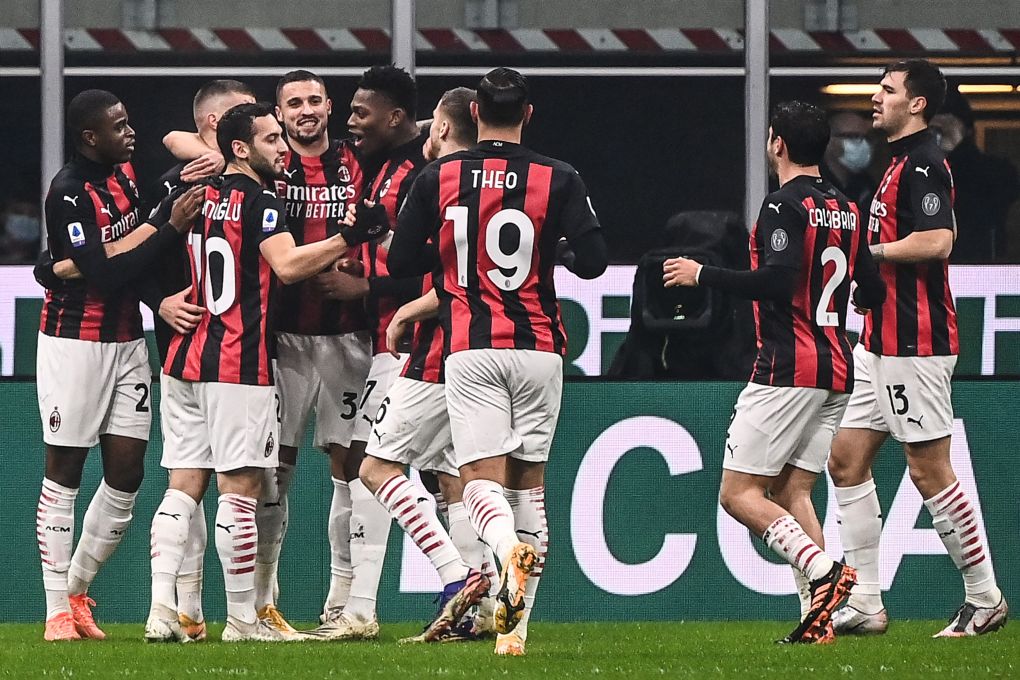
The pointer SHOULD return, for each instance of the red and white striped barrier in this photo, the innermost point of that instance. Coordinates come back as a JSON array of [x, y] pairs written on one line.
[[574, 40]]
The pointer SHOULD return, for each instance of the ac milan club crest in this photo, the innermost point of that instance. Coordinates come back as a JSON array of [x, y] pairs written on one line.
[[55, 420], [270, 444]]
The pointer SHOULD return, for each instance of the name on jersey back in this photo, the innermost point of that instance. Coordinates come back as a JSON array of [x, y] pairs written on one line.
[[832, 219], [493, 179]]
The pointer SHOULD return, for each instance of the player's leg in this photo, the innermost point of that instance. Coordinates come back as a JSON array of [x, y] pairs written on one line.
[[189, 580], [792, 490], [861, 434], [339, 534]]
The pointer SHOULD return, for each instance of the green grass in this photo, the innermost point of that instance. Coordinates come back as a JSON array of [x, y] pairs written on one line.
[[632, 650]]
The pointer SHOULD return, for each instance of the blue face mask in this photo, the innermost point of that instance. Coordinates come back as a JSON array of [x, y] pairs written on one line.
[[856, 154], [22, 228]]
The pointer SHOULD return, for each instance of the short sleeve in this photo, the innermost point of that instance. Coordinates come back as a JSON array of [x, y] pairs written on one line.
[[269, 214], [780, 231], [578, 216], [930, 194]]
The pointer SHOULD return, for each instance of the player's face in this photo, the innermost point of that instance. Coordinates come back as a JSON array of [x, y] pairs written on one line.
[[304, 110], [892, 104], [268, 149], [112, 137], [372, 122], [771, 153]]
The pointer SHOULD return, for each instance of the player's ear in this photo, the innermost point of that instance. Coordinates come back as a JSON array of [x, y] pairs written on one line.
[[240, 149], [527, 115], [329, 106], [279, 113], [918, 104], [88, 137], [212, 120], [397, 117], [473, 106]]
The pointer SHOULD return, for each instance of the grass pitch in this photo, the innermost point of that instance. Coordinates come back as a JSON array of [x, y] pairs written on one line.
[[632, 650]]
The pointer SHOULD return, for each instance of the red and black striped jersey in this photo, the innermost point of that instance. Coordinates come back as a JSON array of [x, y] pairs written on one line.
[[390, 187], [235, 284], [918, 317], [812, 228], [316, 191], [496, 212], [425, 361], [88, 205]]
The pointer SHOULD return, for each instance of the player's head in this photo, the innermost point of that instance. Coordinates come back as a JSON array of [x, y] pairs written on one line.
[[214, 98], [249, 134], [97, 124], [911, 90], [798, 135], [302, 106], [452, 128], [502, 99], [383, 108]]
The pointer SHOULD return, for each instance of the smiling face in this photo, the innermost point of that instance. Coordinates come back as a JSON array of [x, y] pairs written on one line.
[[374, 121], [112, 137], [304, 109], [267, 150]]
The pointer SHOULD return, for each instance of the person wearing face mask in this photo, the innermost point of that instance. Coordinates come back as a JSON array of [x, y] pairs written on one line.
[[986, 186], [848, 158], [19, 239]]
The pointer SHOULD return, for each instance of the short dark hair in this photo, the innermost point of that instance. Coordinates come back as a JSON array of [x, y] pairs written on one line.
[[298, 76], [922, 79], [239, 123], [502, 97], [215, 88], [395, 84], [86, 110], [456, 103], [805, 131]]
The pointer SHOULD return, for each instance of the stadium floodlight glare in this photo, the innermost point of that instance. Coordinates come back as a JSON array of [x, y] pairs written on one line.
[[868, 89]]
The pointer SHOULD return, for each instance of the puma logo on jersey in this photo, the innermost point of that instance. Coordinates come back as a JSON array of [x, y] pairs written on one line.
[[924, 170], [916, 422], [289, 173], [169, 187], [72, 201], [106, 211], [775, 206]]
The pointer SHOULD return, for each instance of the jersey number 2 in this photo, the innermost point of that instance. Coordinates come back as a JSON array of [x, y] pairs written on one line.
[[823, 317], [512, 268]]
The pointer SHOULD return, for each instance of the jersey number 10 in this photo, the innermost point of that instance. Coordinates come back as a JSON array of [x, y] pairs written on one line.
[[216, 304], [512, 268]]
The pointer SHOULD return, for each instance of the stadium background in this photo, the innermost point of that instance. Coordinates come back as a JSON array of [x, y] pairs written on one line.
[[648, 146]]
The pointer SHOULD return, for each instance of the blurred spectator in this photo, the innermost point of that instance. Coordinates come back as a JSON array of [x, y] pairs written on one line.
[[986, 185], [848, 158], [19, 239]]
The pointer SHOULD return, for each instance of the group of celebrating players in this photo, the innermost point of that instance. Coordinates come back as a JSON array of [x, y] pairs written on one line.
[[399, 284]]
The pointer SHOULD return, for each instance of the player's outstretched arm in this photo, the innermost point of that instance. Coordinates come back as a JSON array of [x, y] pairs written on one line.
[[425, 307], [769, 282], [292, 263]]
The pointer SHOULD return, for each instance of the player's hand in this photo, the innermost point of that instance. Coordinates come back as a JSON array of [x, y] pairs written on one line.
[[364, 223], [350, 265], [338, 285], [186, 208], [680, 271], [858, 307], [206, 165], [396, 331], [181, 315], [66, 270]]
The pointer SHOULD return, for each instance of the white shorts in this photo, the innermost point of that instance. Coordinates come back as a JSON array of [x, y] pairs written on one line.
[[87, 389], [324, 373], [385, 369], [218, 426], [503, 401], [413, 427], [908, 397], [777, 426]]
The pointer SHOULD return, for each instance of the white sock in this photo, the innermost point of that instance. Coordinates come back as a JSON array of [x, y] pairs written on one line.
[[463, 535], [189, 579], [271, 517], [860, 531], [955, 518], [370, 530], [786, 538], [168, 539], [54, 527], [528, 506], [415, 516], [491, 516], [103, 527], [442, 507], [236, 541], [803, 591], [339, 532]]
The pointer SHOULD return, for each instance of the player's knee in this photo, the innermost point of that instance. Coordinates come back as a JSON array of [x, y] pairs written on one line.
[[128, 480], [843, 470]]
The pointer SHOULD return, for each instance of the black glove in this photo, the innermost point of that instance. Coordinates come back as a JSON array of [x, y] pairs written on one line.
[[369, 224], [44, 274]]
